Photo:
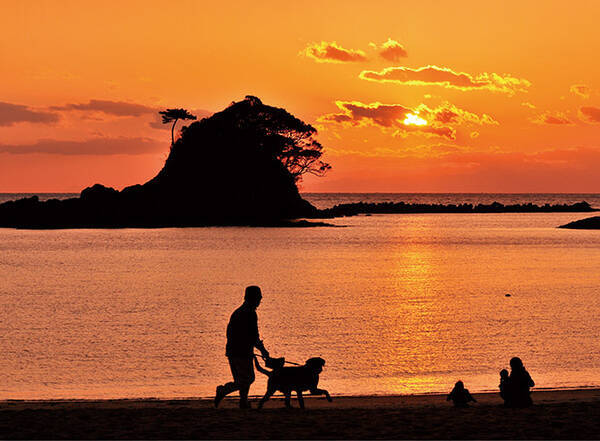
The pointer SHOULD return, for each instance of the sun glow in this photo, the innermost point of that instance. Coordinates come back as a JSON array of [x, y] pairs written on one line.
[[414, 119]]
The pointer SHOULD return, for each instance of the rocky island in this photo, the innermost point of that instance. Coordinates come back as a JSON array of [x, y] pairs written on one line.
[[238, 167]]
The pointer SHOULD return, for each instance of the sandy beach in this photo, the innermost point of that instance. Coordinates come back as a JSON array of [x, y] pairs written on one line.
[[565, 414]]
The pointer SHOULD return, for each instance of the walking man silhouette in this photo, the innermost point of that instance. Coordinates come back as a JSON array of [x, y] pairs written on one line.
[[242, 338]]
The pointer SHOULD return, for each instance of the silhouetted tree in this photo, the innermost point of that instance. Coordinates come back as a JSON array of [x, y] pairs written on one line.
[[175, 115], [281, 135]]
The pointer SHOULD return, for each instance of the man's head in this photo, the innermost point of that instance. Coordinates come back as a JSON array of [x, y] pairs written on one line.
[[252, 296]]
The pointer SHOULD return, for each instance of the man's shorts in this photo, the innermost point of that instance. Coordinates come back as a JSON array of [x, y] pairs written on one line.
[[242, 370]]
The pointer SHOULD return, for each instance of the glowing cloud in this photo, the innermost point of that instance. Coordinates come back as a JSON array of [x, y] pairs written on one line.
[[392, 50], [581, 90], [331, 52], [446, 77], [420, 120], [590, 114], [448, 113], [387, 116], [414, 119], [552, 118]]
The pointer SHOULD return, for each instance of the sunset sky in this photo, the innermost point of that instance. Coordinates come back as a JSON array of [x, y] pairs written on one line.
[[427, 96]]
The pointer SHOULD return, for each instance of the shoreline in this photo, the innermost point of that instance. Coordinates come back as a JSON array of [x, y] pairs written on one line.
[[202, 398], [556, 414]]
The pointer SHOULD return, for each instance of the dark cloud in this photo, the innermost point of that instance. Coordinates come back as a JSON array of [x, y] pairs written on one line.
[[93, 146], [590, 114], [331, 52], [357, 113], [11, 114], [445, 77], [116, 108]]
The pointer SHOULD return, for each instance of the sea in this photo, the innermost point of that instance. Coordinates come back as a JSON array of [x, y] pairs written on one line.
[[395, 304]]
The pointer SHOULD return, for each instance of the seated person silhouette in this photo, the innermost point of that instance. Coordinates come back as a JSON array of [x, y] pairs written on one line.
[[519, 384], [460, 396]]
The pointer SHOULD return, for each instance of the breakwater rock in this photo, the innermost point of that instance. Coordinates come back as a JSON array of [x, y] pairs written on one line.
[[354, 209]]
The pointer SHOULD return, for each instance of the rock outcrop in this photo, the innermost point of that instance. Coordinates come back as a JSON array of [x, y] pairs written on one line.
[[221, 171], [590, 223]]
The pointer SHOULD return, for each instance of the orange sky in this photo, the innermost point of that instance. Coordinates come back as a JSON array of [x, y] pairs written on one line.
[[510, 91]]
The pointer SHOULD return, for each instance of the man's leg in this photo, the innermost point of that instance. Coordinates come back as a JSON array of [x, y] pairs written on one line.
[[224, 390], [232, 386], [245, 377], [244, 389], [242, 370]]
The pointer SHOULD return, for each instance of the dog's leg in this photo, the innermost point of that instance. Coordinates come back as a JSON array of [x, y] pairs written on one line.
[[321, 392], [300, 398], [288, 398], [270, 391]]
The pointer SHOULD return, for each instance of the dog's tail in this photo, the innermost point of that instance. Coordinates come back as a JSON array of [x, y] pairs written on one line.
[[261, 369]]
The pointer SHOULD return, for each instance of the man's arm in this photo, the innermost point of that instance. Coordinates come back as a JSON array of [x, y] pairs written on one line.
[[260, 368], [258, 344], [261, 347]]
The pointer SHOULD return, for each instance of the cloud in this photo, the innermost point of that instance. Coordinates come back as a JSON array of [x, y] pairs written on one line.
[[356, 113], [392, 50], [582, 90], [552, 118], [93, 146], [116, 108], [528, 104], [446, 77], [11, 114], [125, 109], [386, 116], [590, 114], [448, 113], [331, 52], [435, 122]]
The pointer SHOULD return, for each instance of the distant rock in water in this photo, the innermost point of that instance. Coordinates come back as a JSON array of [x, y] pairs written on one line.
[[495, 207], [223, 170], [590, 223]]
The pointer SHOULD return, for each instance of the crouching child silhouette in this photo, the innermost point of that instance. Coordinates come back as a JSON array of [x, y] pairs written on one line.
[[504, 385], [460, 396], [290, 379]]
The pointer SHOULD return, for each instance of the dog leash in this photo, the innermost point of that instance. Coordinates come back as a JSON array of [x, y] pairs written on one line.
[[285, 361]]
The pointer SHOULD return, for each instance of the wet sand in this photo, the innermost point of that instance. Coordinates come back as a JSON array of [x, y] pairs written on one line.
[[566, 414]]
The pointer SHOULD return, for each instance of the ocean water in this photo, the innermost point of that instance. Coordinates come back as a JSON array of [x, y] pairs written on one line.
[[394, 303]]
